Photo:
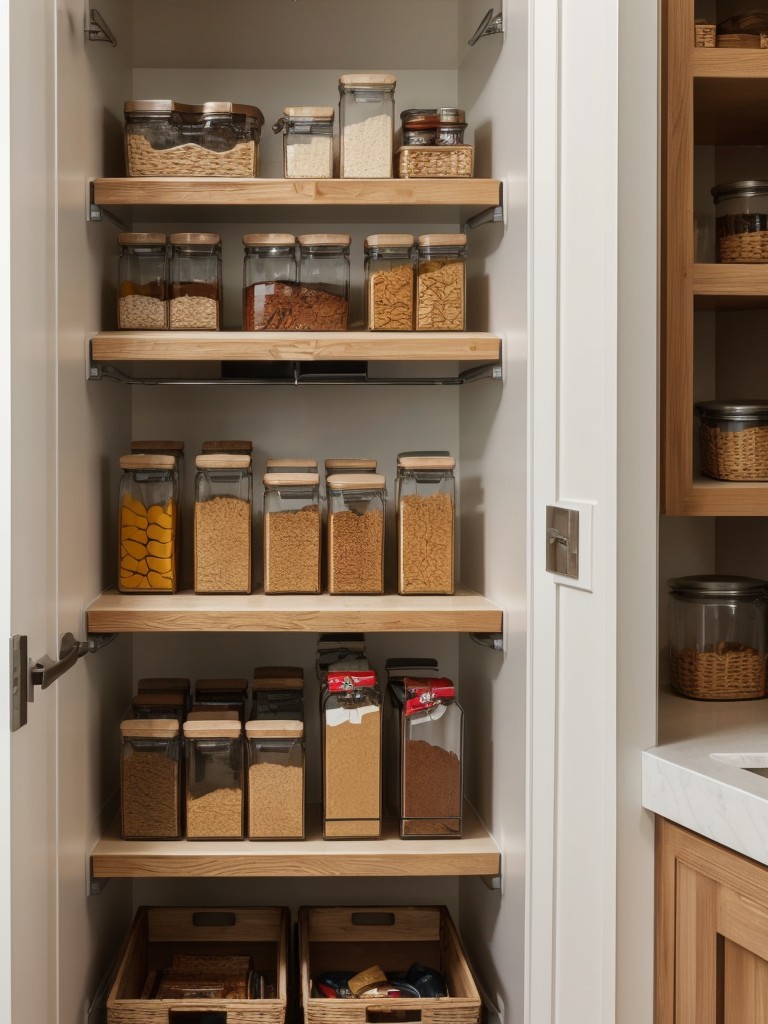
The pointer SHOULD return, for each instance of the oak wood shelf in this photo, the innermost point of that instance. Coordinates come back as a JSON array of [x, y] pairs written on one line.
[[729, 63], [475, 853], [730, 286]]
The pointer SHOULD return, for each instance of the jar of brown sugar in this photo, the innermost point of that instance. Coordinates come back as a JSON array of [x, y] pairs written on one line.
[[390, 268], [195, 282], [150, 797], [356, 505], [214, 779], [148, 523], [292, 532], [425, 524], [275, 779], [441, 283], [223, 514]]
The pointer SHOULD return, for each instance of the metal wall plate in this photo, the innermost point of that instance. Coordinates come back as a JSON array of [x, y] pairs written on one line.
[[21, 690], [563, 541]]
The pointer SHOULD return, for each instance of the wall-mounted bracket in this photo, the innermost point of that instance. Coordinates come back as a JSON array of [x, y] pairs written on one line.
[[96, 213], [491, 25], [491, 215], [495, 641], [96, 886], [492, 882], [97, 30]]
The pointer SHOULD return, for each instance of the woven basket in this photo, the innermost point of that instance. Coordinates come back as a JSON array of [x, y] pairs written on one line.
[[435, 161], [745, 247], [705, 35], [734, 454], [722, 672]]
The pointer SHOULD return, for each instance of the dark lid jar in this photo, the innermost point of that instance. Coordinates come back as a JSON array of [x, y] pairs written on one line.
[[741, 209], [734, 439]]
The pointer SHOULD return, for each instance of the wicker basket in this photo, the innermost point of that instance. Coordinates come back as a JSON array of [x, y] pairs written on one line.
[[705, 35], [157, 933], [435, 161], [734, 454], [722, 672], [744, 247], [355, 938]]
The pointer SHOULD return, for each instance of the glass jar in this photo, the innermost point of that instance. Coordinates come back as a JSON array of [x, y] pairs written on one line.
[[426, 513], [366, 125], [741, 211], [428, 766], [441, 283], [170, 684], [717, 637], [270, 272], [160, 705], [291, 465], [338, 652], [390, 270], [142, 292], [222, 695], [150, 780], [292, 533], [351, 726], [436, 126], [275, 779], [147, 556], [733, 439], [356, 505], [214, 780], [324, 277], [278, 693], [307, 141], [175, 449], [195, 282], [346, 466], [223, 514]]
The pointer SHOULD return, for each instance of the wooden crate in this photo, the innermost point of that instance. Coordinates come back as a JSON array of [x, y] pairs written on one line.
[[354, 938], [157, 933]]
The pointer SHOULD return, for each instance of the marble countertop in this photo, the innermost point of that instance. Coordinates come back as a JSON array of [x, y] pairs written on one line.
[[683, 782]]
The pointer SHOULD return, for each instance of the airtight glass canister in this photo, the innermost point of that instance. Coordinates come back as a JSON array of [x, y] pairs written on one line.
[[148, 518], [269, 280], [741, 211], [223, 514], [390, 271], [307, 141], [366, 125], [150, 779], [292, 532], [142, 303], [275, 779], [426, 516], [441, 283], [717, 637], [278, 693], [195, 282], [356, 504], [214, 779], [323, 301]]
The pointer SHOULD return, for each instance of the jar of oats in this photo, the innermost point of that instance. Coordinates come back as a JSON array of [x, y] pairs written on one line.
[[269, 280], [356, 505], [390, 270], [148, 522], [322, 303], [275, 779], [142, 292], [223, 514], [195, 282], [214, 774], [292, 531], [441, 283], [426, 513], [366, 125], [307, 141], [150, 774]]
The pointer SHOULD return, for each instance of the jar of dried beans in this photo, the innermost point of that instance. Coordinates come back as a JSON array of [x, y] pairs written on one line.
[[222, 695], [352, 759], [323, 300], [425, 524], [278, 693], [195, 282], [150, 787], [307, 141], [160, 705], [430, 729], [142, 303], [223, 513], [390, 270], [356, 505], [275, 779], [214, 779], [441, 283], [292, 531], [147, 556], [270, 273], [366, 125]]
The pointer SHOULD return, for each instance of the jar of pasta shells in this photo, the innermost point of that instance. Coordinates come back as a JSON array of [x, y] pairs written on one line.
[[195, 282], [389, 279], [441, 283], [292, 532], [148, 519], [426, 515]]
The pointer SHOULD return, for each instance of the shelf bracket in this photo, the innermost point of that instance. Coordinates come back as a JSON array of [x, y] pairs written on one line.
[[96, 213], [98, 31], [494, 641], [491, 215], [491, 25]]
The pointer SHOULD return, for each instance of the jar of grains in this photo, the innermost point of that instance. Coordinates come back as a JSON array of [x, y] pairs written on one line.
[[223, 514], [227, 447], [195, 282], [741, 209], [390, 269], [160, 705], [214, 779], [717, 637], [167, 684], [142, 303], [148, 501], [222, 695], [322, 303], [291, 465], [425, 524], [430, 730], [356, 504], [351, 726], [292, 530], [441, 283], [150, 780], [366, 125], [275, 779], [307, 141], [269, 280], [278, 692]]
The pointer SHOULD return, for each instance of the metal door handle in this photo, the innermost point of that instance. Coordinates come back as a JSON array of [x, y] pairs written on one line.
[[46, 671]]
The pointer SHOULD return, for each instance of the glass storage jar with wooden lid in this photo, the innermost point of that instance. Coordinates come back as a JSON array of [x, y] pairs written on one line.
[[270, 273], [366, 125], [307, 141], [356, 505], [426, 514], [441, 283], [346, 466], [223, 516], [222, 694], [214, 779], [160, 705], [155, 446], [275, 751], [150, 779], [323, 300], [292, 531], [142, 302], [196, 293], [390, 270], [167, 684], [741, 212], [148, 519], [278, 693]]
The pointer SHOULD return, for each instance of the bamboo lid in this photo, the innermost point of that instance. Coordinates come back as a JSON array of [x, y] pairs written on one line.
[[291, 464], [175, 448], [149, 728], [232, 447], [147, 462], [195, 238], [222, 684], [436, 240], [321, 113], [164, 685], [213, 715], [141, 238], [372, 241], [223, 461], [324, 239], [276, 728], [368, 79], [276, 238], [159, 700], [356, 482], [278, 677], [290, 479], [212, 729], [426, 462], [342, 465]]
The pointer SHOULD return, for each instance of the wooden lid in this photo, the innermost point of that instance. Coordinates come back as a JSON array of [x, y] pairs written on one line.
[[157, 448], [210, 107], [369, 79], [195, 238], [276, 728], [350, 465], [212, 729], [223, 461], [372, 241], [168, 699], [324, 240], [356, 482], [149, 728], [321, 113], [141, 238], [290, 464], [221, 684], [290, 479], [164, 685], [276, 238], [426, 462], [278, 677], [213, 715], [233, 447], [147, 462], [437, 240]]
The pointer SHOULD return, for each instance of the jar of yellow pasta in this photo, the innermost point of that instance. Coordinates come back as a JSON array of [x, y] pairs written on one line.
[[148, 520]]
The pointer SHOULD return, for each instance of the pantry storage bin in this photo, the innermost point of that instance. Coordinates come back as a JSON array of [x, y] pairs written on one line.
[[222, 694], [168, 139], [292, 532], [734, 439], [148, 518], [307, 141], [366, 125], [150, 779], [160, 705], [356, 503], [195, 282], [394, 938], [426, 516], [223, 517], [203, 943], [142, 290], [390, 271], [435, 161], [215, 784], [270, 273], [441, 283], [717, 636], [741, 211], [323, 300], [275, 779], [278, 693]]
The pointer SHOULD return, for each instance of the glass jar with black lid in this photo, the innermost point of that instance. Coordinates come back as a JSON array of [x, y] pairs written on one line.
[[733, 439], [741, 211]]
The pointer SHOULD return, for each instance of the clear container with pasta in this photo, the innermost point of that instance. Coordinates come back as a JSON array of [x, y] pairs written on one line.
[[223, 518], [214, 779], [390, 271], [441, 283], [292, 533], [275, 779], [426, 514], [355, 541], [148, 521]]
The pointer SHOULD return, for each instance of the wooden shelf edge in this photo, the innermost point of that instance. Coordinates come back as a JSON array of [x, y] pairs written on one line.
[[719, 498], [749, 280], [728, 63]]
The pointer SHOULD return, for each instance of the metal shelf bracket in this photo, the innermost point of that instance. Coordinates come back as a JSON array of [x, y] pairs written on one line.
[[98, 31], [491, 25], [491, 215], [96, 213], [495, 641]]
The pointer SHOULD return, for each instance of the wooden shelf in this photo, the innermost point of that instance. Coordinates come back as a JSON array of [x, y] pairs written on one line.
[[724, 286], [464, 612], [729, 63], [731, 111], [474, 854], [721, 498]]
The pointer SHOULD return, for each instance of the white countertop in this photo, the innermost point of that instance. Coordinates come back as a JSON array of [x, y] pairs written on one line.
[[684, 783]]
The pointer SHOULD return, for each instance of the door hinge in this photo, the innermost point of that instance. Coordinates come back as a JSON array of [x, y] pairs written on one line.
[[19, 681]]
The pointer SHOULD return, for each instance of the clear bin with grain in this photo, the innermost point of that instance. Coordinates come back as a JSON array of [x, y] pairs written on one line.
[[355, 544], [150, 779], [426, 515], [292, 533], [270, 275], [733, 439], [167, 705], [214, 779], [717, 636], [322, 301], [741, 212], [196, 289], [142, 290], [222, 694], [147, 524], [366, 125], [307, 141], [390, 273], [223, 524], [275, 779], [441, 283], [278, 693]]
